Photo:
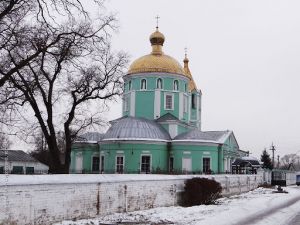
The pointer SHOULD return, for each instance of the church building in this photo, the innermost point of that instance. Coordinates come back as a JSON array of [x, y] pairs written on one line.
[[160, 130]]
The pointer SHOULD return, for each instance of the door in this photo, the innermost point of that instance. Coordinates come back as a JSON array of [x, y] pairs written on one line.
[[206, 165], [78, 163], [186, 165]]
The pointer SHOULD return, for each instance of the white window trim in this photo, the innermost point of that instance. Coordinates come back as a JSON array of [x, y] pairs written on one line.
[[119, 155], [186, 157], [157, 83], [165, 102], [142, 85], [176, 81], [141, 162], [210, 161]]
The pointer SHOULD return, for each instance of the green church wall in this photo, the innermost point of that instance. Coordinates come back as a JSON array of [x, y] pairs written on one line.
[[144, 99], [196, 153], [87, 151], [132, 153]]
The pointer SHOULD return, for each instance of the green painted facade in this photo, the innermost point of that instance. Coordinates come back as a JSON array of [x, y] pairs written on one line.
[[132, 153], [162, 98]]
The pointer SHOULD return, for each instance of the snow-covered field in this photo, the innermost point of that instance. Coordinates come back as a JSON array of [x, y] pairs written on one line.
[[259, 206]]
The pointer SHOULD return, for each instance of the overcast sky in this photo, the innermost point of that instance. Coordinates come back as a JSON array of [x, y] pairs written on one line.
[[244, 56]]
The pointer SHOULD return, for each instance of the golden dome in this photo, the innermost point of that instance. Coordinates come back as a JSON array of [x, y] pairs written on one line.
[[157, 61]]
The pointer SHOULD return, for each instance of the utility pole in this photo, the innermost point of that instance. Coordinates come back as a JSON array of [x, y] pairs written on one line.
[[278, 161], [273, 150]]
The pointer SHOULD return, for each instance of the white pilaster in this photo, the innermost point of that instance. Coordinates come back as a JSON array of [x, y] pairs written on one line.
[[157, 96], [132, 103], [181, 105], [173, 130]]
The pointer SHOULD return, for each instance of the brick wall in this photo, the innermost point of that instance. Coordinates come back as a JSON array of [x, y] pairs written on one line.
[[32, 203]]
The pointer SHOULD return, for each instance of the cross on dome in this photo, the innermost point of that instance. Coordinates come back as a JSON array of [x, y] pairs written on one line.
[[157, 18]]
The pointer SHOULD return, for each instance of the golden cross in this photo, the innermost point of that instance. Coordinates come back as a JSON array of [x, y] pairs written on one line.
[[157, 17]]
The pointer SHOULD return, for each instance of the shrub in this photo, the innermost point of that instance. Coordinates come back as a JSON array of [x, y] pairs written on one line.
[[198, 191]]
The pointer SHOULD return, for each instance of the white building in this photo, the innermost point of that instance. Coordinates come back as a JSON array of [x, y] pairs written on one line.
[[20, 162]]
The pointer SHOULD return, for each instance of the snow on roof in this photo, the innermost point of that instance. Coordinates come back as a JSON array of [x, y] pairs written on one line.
[[16, 155], [90, 137]]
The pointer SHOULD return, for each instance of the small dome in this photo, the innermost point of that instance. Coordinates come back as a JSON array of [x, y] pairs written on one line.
[[132, 128], [157, 38]]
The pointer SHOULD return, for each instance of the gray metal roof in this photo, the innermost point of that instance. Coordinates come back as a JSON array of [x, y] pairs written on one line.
[[130, 128], [16, 155], [90, 136], [214, 136]]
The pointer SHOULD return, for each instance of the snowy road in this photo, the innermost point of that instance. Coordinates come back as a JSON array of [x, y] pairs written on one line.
[[258, 207]]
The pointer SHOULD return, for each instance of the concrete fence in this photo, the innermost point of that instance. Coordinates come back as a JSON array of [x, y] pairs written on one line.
[[44, 199]]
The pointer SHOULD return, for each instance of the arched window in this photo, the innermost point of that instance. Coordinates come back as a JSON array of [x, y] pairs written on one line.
[[143, 84], [175, 85], [129, 85], [159, 83], [185, 87]]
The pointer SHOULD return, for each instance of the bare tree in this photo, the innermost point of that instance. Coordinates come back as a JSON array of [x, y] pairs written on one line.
[[5, 143], [74, 70], [16, 17], [290, 161]]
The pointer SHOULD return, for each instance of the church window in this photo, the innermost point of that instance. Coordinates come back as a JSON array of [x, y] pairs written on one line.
[[95, 164], [129, 85], [169, 102], [194, 101], [159, 83], [145, 163], [17, 170], [143, 84], [185, 87], [206, 165], [29, 170], [175, 85], [120, 164]]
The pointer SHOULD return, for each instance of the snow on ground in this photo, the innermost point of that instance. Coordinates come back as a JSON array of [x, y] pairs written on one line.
[[259, 206]]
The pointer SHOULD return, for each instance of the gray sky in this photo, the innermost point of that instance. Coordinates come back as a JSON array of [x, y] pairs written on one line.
[[244, 56]]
